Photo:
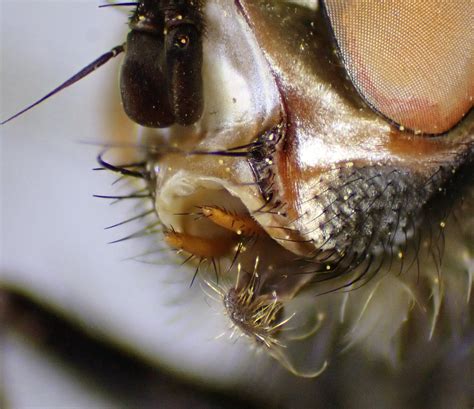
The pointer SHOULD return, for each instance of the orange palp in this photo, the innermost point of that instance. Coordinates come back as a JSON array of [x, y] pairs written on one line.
[[243, 225], [198, 246]]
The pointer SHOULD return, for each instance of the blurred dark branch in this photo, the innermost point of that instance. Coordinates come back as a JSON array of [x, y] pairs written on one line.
[[118, 374]]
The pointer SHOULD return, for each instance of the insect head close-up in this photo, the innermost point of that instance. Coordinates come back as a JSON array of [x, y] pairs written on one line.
[[293, 182]]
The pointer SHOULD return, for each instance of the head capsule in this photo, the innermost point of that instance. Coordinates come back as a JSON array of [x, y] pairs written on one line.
[[160, 80]]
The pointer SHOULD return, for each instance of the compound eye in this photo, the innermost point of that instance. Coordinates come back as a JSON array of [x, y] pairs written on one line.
[[183, 68], [411, 62]]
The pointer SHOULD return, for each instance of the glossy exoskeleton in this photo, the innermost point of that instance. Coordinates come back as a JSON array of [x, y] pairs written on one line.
[[351, 144]]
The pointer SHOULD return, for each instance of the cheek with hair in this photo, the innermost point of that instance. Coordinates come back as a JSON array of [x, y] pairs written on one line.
[[325, 236]]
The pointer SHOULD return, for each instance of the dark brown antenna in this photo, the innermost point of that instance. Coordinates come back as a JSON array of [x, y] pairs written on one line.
[[81, 74]]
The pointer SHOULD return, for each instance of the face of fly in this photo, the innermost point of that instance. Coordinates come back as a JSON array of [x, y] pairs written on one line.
[[310, 162]]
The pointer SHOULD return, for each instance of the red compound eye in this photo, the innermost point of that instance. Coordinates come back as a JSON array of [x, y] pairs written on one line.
[[412, 62]]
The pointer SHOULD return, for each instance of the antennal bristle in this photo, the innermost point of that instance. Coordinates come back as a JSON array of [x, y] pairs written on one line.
[[129, 4], [81, 74]]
